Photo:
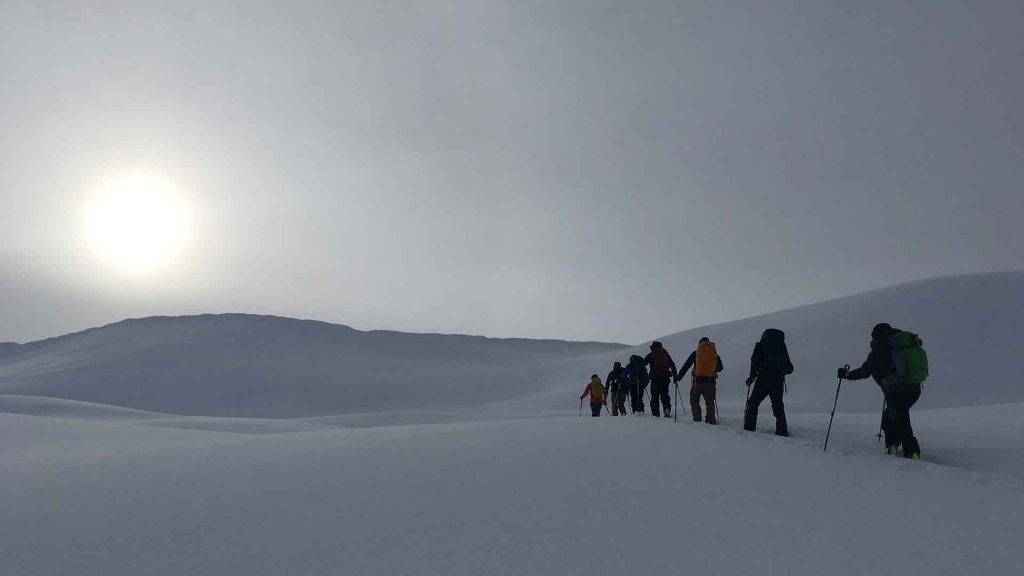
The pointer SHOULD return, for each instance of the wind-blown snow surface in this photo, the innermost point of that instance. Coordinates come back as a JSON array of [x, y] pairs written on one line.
[[472, 459]]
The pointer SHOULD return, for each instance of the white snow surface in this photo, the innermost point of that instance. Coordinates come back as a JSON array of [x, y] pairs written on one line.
[[138, 449]]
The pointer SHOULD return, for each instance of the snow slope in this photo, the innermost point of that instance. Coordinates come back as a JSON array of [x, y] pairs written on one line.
[[244, 365], [88, 495], [470, 457], [972, 327]]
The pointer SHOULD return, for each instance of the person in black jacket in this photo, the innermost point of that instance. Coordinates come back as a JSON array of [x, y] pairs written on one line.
[[618, 388], [899, 396], [663, 370], [769, 366]]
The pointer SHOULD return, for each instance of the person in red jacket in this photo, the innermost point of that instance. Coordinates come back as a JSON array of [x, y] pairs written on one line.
[[663, 371], [596, 392]]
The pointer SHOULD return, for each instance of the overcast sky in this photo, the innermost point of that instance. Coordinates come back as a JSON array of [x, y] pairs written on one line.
[[569, 169]]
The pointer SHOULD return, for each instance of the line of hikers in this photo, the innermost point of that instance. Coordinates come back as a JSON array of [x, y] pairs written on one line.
[[897, 362]]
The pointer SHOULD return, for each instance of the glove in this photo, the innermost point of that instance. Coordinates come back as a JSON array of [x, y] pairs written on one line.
[[750, 381], [582, 397], [842, 373]]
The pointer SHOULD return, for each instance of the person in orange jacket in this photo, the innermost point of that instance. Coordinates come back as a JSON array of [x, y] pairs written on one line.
[[595, 389]]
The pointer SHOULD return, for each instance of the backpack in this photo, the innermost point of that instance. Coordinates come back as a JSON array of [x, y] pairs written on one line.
[[659, 362], [909, 357], [596, 390], [639, 372], [774, 356], [706, 365]]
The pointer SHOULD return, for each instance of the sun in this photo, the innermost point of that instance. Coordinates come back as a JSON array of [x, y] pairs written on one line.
[[137, 222]]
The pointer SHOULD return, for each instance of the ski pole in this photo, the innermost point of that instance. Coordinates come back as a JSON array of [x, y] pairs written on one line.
[[834, 403], [882, 421], [745, 403], [581, 406], [675, 415]]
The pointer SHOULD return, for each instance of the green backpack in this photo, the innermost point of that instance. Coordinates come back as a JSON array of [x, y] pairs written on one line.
[[909, 357]]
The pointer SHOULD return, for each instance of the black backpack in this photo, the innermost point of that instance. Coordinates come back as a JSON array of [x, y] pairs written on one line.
[[774, 355]]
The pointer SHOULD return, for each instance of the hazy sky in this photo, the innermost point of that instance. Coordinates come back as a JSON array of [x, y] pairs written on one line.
[[574, 169]]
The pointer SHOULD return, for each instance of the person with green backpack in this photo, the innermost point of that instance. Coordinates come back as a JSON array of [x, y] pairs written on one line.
[[899, 365]]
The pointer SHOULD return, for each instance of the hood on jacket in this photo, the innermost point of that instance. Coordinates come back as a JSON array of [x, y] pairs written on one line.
[[880, 330]]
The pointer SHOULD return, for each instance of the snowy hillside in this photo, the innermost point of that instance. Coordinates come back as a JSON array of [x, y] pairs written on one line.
[[386, 453], [95, 493], [273, 367], [972, 327], [244, 365]]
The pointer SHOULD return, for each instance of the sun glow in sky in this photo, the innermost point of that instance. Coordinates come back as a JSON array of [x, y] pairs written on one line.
[[137, 222]]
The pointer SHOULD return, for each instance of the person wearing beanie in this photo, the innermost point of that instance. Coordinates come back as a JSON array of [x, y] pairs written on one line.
[[663, 370], [900, 393]]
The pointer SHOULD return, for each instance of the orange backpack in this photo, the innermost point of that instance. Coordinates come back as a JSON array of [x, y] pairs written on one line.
[[707, 360]]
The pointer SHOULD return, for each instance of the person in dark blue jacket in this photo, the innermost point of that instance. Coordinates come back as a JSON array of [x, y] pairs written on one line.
[[618, 389], [636, 379]]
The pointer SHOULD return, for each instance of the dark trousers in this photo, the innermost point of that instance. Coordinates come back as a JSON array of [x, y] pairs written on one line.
[[659, 395], [896, 421], [619, 402], [767, 386], [595, 409], [636, 396]]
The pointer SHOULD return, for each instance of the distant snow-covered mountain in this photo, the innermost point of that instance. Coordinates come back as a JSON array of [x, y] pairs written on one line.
[[244, 365]]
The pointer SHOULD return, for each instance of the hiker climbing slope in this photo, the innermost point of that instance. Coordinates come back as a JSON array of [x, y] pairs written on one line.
[[899, 365], [636, 379], [618, 388], [706, 364], [596, 392], [769, 366], [663, 371]]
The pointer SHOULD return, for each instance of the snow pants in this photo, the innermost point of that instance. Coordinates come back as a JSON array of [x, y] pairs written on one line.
[[636, 396], [707, 390], [772, 386], [896, 421], [660, 396], [619, 402], [595, 409]]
